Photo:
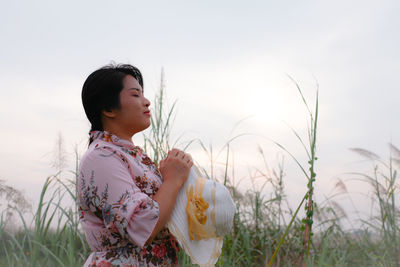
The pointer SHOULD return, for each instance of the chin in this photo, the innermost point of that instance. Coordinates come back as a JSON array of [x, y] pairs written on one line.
[[140, 128], [147, 125]]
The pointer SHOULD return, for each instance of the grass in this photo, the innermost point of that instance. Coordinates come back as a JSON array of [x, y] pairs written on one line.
[[262, 235]]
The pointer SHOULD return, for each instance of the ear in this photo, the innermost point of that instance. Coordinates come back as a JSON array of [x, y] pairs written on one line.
[[109, 113]]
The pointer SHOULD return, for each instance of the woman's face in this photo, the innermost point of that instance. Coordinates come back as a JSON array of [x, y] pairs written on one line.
[[133, 115]]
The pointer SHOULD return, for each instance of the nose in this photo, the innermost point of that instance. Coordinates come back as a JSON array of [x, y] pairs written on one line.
[[146, 102]]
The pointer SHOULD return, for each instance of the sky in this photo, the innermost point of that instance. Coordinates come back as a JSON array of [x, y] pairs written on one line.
[[224, 62]]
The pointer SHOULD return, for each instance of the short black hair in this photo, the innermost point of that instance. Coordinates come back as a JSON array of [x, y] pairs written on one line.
[[102, 88]]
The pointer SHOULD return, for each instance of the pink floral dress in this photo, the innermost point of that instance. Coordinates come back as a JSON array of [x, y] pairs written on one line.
[[116, 183]]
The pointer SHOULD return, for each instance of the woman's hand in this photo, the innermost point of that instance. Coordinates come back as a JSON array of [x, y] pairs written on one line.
[[175, 170], [176, 167]]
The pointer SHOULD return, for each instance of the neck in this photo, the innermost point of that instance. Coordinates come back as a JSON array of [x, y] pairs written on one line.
[[118, 131]]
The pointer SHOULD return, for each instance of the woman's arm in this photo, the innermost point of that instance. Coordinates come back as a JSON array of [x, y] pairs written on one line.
[[174, 169], [109, 196]]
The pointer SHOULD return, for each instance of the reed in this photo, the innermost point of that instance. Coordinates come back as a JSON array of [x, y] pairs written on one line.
[[308, 197]]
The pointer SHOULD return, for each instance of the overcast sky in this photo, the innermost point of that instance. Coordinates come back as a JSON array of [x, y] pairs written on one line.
[[223, 60]]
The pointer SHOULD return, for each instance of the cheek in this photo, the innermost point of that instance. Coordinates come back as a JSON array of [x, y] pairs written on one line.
[[134, 109]]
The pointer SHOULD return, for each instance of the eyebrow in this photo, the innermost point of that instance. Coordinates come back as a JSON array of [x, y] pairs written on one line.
[[137, 89]]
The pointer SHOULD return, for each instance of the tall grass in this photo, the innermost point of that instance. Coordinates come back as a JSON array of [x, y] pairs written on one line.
[[385, 187], [309, 206], [262, 233], [53, 238]]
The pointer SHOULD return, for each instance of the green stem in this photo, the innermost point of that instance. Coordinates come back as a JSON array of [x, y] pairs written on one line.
[[286, 232]]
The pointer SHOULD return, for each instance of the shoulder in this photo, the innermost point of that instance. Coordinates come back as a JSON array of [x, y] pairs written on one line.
[[104, 163], [102, 154]]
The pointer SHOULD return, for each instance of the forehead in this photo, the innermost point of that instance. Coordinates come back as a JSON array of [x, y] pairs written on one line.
[[130, 82]]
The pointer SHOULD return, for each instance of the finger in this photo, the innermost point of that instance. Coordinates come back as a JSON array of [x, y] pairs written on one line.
[[187, 157], [173, 152], [178, 152]]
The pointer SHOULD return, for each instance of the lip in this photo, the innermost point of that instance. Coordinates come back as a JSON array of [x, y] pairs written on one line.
[[147, 112]]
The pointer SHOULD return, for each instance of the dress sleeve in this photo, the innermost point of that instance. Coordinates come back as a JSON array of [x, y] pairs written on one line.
[[110, 193]]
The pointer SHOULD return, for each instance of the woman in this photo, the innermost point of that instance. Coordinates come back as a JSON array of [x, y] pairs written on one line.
[[124, 199]]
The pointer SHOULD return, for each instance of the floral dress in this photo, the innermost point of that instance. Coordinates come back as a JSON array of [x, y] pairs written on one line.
[[116, 183]]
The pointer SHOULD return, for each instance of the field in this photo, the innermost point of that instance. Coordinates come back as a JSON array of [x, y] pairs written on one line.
[[262, 235]]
